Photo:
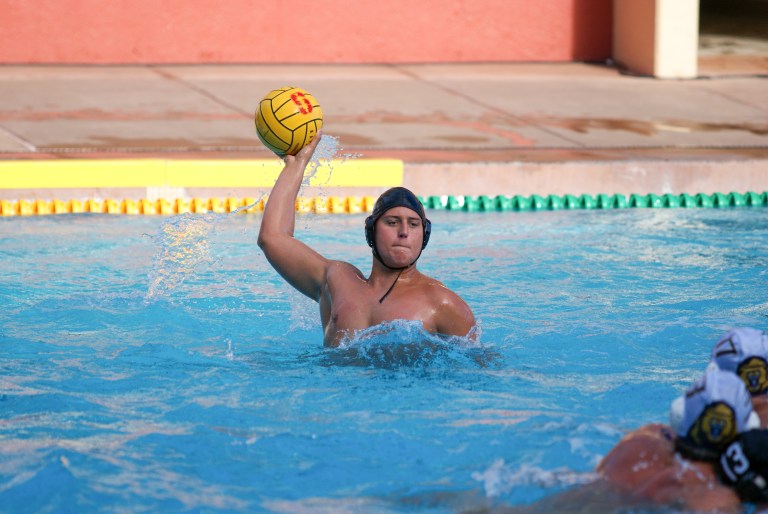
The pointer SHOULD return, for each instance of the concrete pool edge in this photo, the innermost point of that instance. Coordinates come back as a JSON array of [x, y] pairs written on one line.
[[634, 176]]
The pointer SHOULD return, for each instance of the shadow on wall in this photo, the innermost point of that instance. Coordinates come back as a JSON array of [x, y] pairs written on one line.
[[741, 18], [590, 18]]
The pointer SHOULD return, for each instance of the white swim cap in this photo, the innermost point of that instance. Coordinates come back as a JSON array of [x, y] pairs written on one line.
[[744, 351], [714, 410]]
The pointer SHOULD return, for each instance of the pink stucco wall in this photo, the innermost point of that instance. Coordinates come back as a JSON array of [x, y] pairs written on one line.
[[303, 31]]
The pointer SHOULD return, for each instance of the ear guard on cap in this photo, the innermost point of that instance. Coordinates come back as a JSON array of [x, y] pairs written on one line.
[[369, 231], [713, 411], [744, 351], [677, 409]]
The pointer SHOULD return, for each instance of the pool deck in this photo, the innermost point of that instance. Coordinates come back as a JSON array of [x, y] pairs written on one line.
[[443, 129]]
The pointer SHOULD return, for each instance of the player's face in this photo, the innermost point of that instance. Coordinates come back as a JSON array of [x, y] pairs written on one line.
[[399, 234]]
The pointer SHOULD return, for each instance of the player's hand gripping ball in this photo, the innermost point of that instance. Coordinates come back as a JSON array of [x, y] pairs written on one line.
[[287, 119]]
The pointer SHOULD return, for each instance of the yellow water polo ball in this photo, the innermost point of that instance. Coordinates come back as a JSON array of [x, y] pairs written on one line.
[[288, 119]]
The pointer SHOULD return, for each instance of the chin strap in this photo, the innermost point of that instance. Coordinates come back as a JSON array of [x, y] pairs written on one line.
[[393, 284]]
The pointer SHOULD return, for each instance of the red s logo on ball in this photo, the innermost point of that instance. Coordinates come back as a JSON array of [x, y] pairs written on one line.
[[305, 106]]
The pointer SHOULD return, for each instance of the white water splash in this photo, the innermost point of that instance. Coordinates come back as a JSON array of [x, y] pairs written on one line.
[[184, 241], [183, 244], [327, 150], [500, 478], [230, 351]]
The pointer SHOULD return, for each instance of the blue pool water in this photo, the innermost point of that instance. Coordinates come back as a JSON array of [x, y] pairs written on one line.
[[151, 364]]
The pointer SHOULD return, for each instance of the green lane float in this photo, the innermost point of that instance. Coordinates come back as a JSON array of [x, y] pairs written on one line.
[[598, 202]]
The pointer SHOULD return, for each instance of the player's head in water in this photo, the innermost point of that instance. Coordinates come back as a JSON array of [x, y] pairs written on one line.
[[714, 410], [744, 351], [390, 199]]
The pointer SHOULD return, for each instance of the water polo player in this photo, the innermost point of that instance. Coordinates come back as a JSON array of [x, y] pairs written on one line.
[[744, 351], [397, 231], [744, 464], [679, 465]]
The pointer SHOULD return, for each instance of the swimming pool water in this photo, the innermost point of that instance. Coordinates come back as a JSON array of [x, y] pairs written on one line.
[[151, 364]]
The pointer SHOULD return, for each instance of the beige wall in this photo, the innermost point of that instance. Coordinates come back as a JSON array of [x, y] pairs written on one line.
[[658, 38], [677, 39]]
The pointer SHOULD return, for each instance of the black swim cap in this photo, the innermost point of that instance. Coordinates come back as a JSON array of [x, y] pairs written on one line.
[[396, 197]]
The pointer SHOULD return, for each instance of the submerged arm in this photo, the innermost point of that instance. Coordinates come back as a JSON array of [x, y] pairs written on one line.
[[297, 263]]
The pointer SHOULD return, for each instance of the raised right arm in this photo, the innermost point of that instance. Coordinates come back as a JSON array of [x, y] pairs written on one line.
[[297, 263]]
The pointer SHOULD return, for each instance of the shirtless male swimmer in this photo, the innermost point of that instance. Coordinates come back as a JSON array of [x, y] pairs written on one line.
[[397, 230]]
